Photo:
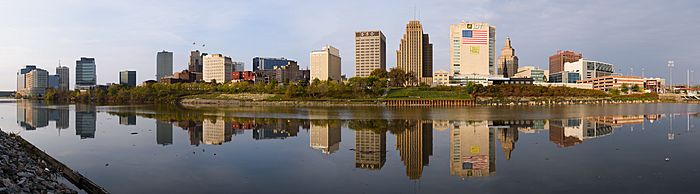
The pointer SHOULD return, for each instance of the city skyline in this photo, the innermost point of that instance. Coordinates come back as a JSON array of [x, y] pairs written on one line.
[[639, 40]]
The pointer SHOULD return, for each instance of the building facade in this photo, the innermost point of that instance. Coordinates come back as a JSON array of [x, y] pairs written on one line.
[[239, 76], [267, 63], [127, 78], [472, 49], [606, 83], [325, 64], [63, 77], [217, 67], [196, 62], [564, 77], [557, 61], [441, 78], [32, 81], [590, 69], [164, 64], [507, 62], [85, 73], [325, 137], [238, 66], [283, 74], [415, 53], [54, 81], [370, 149], [539, 75], [370, 52]]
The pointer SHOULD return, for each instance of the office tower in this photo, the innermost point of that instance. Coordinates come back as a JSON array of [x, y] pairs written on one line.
[[32, 81], [370, 52], [164, 133], [472, 49], [195, 64], [85, 121], [557, 61], [63, 77], [54, 81], [217, 67], [325, 136], [415, 145], [325, 64], [127, 78], [238, 66], [415, 53], [472, 149], [370, 149], [85, 73], [266, 63], [507, 62], [164, 64]]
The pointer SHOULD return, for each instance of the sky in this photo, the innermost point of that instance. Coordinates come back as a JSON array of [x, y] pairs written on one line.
[[635, 35]]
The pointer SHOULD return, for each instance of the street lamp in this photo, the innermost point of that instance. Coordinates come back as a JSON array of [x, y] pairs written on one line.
[[670, 75]]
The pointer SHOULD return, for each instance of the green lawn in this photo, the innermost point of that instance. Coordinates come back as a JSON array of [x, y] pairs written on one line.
[[427, 93]]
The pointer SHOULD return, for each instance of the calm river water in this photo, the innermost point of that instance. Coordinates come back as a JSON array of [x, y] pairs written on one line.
[[631, 148]]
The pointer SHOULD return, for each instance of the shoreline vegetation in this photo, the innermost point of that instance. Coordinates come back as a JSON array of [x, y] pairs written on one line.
[[376, 90]]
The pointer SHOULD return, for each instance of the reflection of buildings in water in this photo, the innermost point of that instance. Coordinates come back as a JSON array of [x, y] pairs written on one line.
[[570, 132], [441, 125], [415, 145], [85, 121], [127, 120], [164, 133], [216, 132], [30, 116], [507, 137], [278, 129], [653, 117], [537, 125], [325, 136], [194, 130], [619, 120], [472, 150], [370, 149], [61, 116]]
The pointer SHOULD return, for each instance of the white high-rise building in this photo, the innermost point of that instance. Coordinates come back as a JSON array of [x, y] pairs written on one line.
[[472, 49], [325, 64]]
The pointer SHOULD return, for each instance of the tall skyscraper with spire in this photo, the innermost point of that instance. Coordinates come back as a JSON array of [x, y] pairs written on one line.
[[63, 77], [507, 62], [415, 53]]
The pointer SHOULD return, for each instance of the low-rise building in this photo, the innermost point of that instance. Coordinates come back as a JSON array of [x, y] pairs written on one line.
[[539, 75], [511, 81], [590, 69], [568, 85], [564, 77], [441, 78], [288, 73], [607, 83], [654, 84], [239, 76]]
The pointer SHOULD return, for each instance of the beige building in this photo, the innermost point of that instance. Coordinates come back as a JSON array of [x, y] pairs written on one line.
[[607, 83], [472, 49], [217, 67], [507, 62], [537, 74], [415, 53], [214, 132], [370, 149], [325, 137], [370, 52], [441, 78], [32, 83], [325, 64], [472, 149], [415, 146]]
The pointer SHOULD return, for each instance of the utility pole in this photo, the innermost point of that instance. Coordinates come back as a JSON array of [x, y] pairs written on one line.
[[670, 75]]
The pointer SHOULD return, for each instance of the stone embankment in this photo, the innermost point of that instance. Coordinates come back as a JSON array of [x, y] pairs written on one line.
[[23, 172]]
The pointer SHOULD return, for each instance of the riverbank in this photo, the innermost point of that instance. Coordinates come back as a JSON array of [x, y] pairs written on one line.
[[248, 100], [21, 171]]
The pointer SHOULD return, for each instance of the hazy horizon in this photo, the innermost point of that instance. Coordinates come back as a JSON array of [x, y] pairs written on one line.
[[126, 35]]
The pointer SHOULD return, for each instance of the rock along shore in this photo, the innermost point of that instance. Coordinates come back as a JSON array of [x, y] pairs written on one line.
[[22, 172]]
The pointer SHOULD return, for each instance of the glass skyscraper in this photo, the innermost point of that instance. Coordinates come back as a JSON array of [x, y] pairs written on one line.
[[85, 73]]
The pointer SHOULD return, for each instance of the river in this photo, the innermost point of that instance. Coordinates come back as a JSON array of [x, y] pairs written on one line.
[[620, 148]]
